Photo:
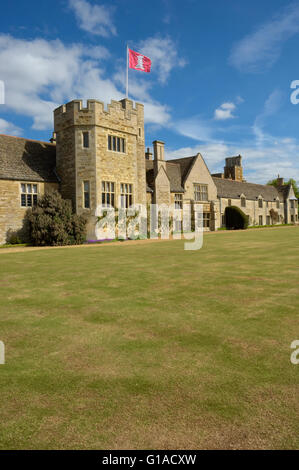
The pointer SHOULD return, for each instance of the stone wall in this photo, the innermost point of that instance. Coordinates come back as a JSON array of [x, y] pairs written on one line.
[[11, 212], [200, 174], [254, 211], [97, 163]]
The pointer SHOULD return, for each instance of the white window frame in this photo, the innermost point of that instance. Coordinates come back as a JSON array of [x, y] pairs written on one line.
[[126, 195], [29, 194]]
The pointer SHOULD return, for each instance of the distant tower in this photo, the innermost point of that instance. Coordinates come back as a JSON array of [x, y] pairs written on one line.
[[233, 168]]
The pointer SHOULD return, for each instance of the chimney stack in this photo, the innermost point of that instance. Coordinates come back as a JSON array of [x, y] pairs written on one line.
[[148, 154], [158, 155], [280, 181]]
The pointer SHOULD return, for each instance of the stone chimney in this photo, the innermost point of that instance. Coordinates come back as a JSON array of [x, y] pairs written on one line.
[[158, 156], [280, 181], [148, 154]]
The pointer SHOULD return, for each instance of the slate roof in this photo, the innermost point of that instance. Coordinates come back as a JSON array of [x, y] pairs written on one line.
[[283, 191], [234, 189], [27, 160], [177, 170], [185, 166]]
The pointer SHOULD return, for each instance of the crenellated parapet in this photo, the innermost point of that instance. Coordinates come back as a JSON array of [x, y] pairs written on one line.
[[118, 113]]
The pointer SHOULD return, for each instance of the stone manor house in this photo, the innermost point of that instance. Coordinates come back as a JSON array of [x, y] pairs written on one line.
[[98, 156]]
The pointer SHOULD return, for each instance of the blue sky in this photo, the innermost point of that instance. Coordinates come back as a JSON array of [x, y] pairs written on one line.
[[220, 80]]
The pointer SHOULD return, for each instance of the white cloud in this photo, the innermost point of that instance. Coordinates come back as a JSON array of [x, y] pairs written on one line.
[[271, 106], [225, 111], [164, 55], [156, 113], [264, 156], [9, 128], [95, 19], [194, 127], [260, 163], [39, 75], [262, 48]]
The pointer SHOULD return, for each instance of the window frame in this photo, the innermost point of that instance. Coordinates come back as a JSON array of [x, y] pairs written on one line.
[[107, 193], [200, 190], [126, 195], [243, 201], [86, 195], [116, 144], [85, 134], [178, 201], [29, 195], [206, 219]]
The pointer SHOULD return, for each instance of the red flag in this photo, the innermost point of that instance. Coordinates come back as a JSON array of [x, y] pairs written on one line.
[[139, 62]]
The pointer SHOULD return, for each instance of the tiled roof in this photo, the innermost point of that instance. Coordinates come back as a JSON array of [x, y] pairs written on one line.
[[173, 171], [185, 165], [283, 191], [177, 171], [234, 189], [27, 160]]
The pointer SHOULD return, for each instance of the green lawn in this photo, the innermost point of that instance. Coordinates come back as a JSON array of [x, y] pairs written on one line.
[[150, 346]]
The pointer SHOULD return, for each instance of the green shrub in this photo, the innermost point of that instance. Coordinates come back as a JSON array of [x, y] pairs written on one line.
[[52, 222], [235, 218]]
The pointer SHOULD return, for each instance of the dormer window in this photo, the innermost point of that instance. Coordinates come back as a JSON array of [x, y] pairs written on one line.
[[260, 202], [116, 144], [243, 201], [277, 203]]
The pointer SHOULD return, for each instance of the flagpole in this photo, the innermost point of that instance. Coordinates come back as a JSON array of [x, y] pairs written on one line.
[[127, 84]]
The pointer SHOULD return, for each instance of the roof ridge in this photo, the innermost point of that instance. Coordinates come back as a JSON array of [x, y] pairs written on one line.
[[243, 182], [29, 140], [181, 158]]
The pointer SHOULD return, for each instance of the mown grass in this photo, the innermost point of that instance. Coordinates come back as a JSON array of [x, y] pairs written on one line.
[[151, 346]]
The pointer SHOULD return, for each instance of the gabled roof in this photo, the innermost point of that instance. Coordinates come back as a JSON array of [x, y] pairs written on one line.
[[27, 160], [234, 189], [173, 171], [186, 164], [283, 191]]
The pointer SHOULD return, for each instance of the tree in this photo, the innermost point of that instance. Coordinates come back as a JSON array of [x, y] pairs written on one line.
[[52, 222]]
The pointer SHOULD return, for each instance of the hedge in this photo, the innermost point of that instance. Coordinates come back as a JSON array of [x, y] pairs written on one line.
[[235, 219]]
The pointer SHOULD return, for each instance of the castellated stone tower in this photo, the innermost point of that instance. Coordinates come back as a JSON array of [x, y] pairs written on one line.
[[100, 155], [233, 168]]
